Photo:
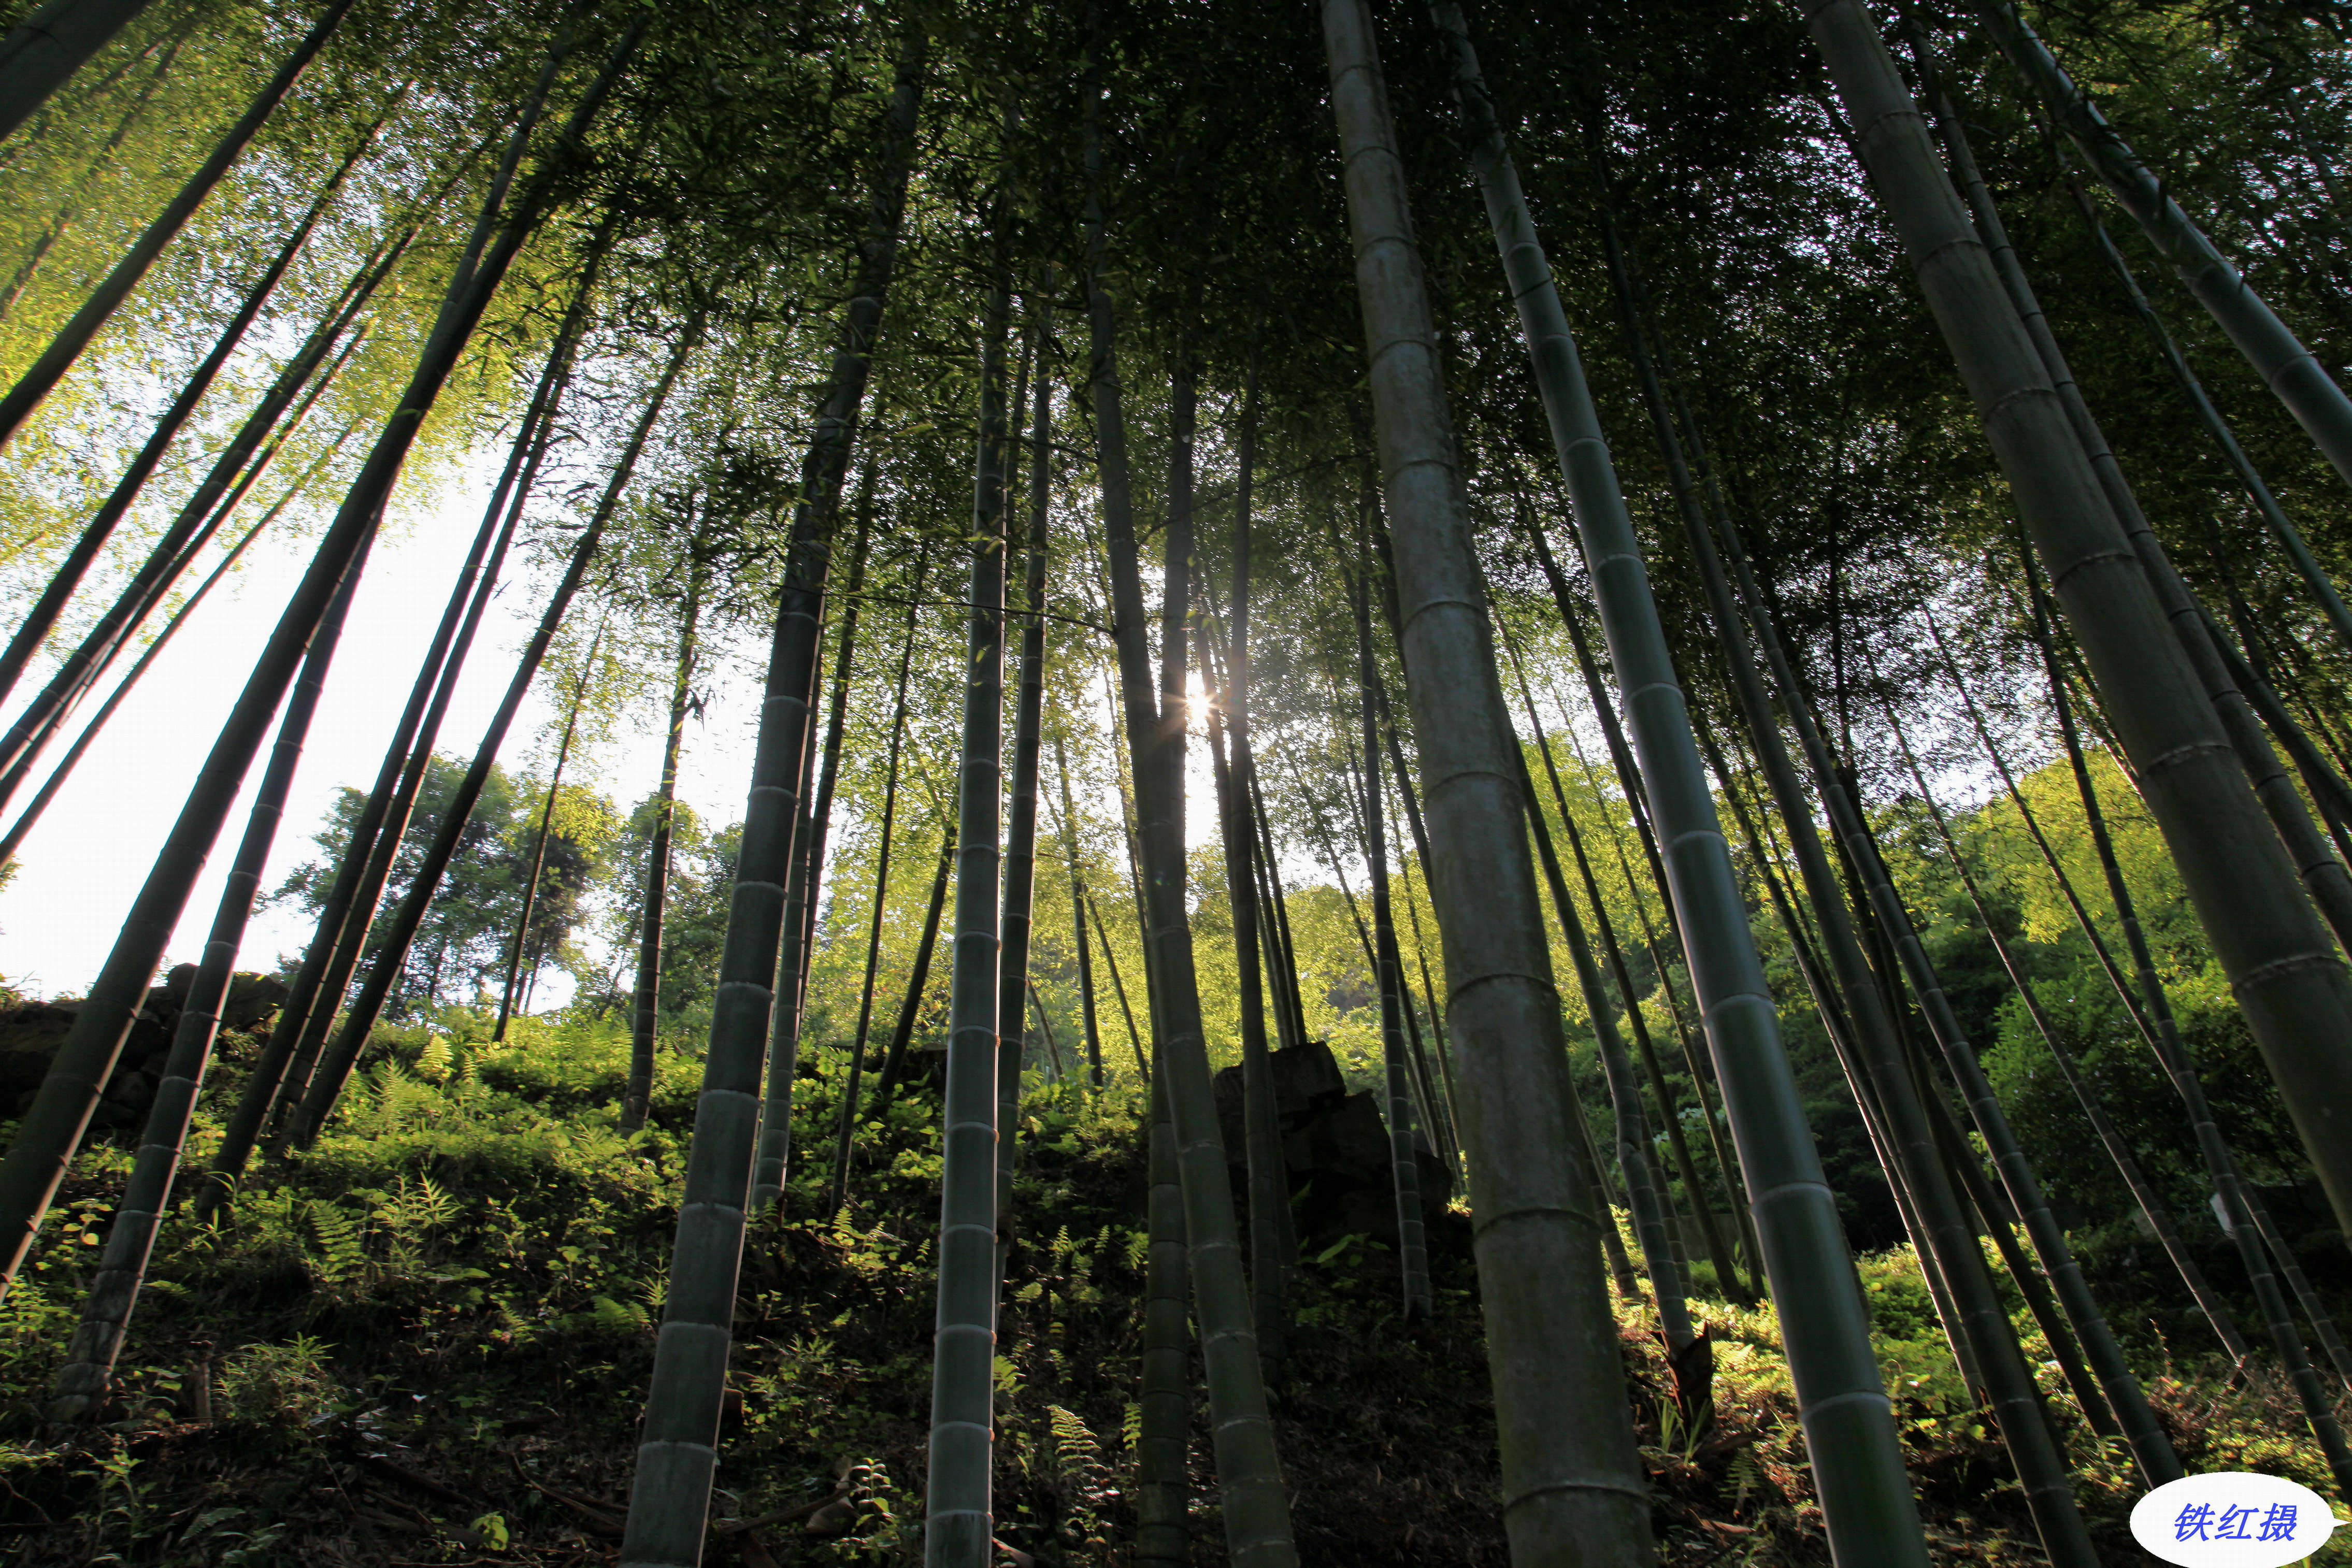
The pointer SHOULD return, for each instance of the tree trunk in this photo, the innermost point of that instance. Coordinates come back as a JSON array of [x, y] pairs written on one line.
[[958, 1512], [1572, 1491], [52, 1126], [43, 373], [42, 52], [337, 1062], [82, 1384], [1257, 1512], [844, 1139], [820, 823], [2288, 977]]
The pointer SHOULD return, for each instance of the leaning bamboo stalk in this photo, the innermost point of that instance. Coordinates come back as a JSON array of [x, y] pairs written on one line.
[[42, 52], [340, 1057], [2150, 1447], [52, 1126], [42, 618], [2172, 1053], [1849, 1424], [82, 1384], [2291, 370], [1727, 1270], [1080, 946], [2288, 977], [645, 1000], [1982, 1324], [1572, 1491], [2150, 1204], [43, 373], [191, 528]]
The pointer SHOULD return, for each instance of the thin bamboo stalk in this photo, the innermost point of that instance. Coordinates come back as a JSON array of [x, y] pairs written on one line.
[[43, 375], [82, 1384], [340, 1057], [52, 1126], [539, 844], [644, 996]]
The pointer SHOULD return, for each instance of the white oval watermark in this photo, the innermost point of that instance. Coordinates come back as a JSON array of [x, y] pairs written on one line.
[[2233, 1518]]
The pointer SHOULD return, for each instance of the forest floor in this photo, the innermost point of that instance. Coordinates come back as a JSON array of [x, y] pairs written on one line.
[[426, 1342]]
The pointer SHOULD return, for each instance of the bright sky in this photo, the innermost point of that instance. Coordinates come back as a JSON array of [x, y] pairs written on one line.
[[83, 865]]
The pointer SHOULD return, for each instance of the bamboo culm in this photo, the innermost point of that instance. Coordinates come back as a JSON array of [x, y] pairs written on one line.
[[1412, 1244], [1572, 1491], [42, 618], [44, 50], [959, 1516], [52, 1126], [43, 373], [2288, 977], [2291, 370], [2150, 1449], [1256, 1511], [1014, 928], [188, 532], [338, 1061], [515, 947], [2150, 1204], [669, 1496], [2172, 1053], [645, 1002], [1849, 1424], [845, 1138], [82, 1382]]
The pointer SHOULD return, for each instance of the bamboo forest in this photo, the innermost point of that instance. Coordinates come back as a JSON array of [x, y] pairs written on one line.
[[1169, 782]]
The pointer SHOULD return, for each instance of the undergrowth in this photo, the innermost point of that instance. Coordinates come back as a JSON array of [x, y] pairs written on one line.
[[425, 1340]]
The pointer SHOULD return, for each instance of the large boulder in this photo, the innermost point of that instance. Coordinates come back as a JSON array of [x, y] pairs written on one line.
[[31, 1034], [1335, 1149]]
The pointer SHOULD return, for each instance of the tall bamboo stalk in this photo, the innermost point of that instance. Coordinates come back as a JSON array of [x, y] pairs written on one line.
[[819, 826], [843, 1140], [340, 1057], [1572, 1491], [2290, 981], [43, 373], [1849, 1424], [669, 1497], [1255, 1513], [1081, 948], [512, 979], [44, 50], [1388, 977], [188, 531], [1021, 818], [645, 999], [918, 979], [2291, 370], [2150, 1447], [959, 1513], [2149, 1202], [52, 1126], [81, 1384], [42, 618], [2172, 1053]]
